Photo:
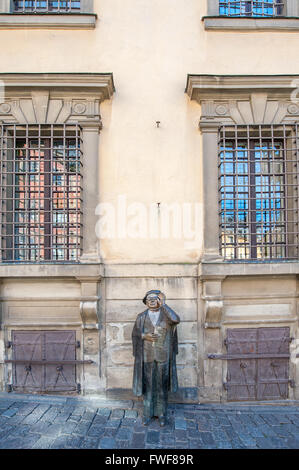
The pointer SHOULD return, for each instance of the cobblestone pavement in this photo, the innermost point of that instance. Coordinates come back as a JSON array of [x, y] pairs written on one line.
[[50, 422]]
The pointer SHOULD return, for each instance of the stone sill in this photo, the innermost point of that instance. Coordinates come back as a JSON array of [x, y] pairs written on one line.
[[222, 23], [248, 269], [47, 21], [51, 271]]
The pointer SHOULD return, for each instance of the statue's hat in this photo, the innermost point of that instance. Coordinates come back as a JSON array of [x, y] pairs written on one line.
[[157, 292]]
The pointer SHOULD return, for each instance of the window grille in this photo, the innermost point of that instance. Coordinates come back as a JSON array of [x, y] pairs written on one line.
[[258, 192], [47, 6], [257, 8], [40, 214]]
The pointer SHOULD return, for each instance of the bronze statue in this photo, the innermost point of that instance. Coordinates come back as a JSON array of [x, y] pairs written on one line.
[[155, 346]]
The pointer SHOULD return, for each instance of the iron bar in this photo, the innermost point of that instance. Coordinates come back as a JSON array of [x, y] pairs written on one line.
[[249, 356], [63, 362]]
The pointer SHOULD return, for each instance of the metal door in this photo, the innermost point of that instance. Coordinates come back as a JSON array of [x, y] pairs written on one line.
[[44, 361], [258, 363]]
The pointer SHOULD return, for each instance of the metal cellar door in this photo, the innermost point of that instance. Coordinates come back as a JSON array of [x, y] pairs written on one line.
[[265, 376], [257, 363], [44, 361]]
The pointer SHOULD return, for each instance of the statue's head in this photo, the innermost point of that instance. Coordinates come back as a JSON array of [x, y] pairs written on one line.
[[153, 299]]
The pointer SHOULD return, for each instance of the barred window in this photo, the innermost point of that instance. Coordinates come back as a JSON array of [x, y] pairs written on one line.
[[40, 193], [258, 191], [47, 6], [257, 8]]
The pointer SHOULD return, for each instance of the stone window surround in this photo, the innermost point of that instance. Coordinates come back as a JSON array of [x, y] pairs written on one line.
[[64, 98], [86, 19], [225, 99], [288, 22]]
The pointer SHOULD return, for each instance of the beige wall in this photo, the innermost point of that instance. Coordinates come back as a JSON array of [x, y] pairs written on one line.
[[150, 47]]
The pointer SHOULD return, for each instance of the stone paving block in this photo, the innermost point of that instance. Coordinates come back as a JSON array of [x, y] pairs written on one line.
[[292, 443], [247, 440], [195, 444], [20, 431], [256, 432], [27, 409], [124, 434], [75, 418], [6, 430], [270, 419], [79, 411], [283, 418], [110, 432], [193, 433], [89, 443], [117, 414], [191, 424], [54, 430], [152, 437], [180, 423], [104, 412], [237, 444], [282, 431], [223, 445], [131, 414], [60, 442], [74, 442], [264, 443], [50, 414], [88, 415], [43, 443], [138, 440], [99, 420], [207, 438], [129, 422], [14, 443], [107, 443], [181, 434], [40, 427], [114, 423], [10, 412], [220, 435], [68, 427], [82, 428], [96, 431]]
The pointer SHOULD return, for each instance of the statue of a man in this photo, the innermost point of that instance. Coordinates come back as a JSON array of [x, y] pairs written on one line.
[[155, 346]]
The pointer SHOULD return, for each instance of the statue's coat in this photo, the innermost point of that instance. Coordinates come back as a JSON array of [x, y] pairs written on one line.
[[138, 376]]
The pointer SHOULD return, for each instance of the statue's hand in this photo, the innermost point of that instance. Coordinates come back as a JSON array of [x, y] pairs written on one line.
[[150, 337]]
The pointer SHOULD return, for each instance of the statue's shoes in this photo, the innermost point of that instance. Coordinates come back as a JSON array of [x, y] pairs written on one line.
[[162, 421], [146, 421]]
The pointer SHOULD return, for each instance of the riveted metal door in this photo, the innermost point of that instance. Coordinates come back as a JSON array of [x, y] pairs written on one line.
[[273, 373], [27, 345], [60, 345], [40, 361], [241, 374], [257, 363]]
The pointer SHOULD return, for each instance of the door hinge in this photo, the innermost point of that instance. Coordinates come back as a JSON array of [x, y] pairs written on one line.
[[78, 344], [225, 342], [78, 388], [8, 344], [292, 383], [225, 386]]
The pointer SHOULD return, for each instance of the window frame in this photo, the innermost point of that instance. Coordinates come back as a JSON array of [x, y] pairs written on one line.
[[30, 194], [84, 19], [289, 21]]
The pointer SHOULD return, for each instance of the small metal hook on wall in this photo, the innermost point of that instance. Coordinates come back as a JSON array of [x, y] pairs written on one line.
[[158, 123]]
